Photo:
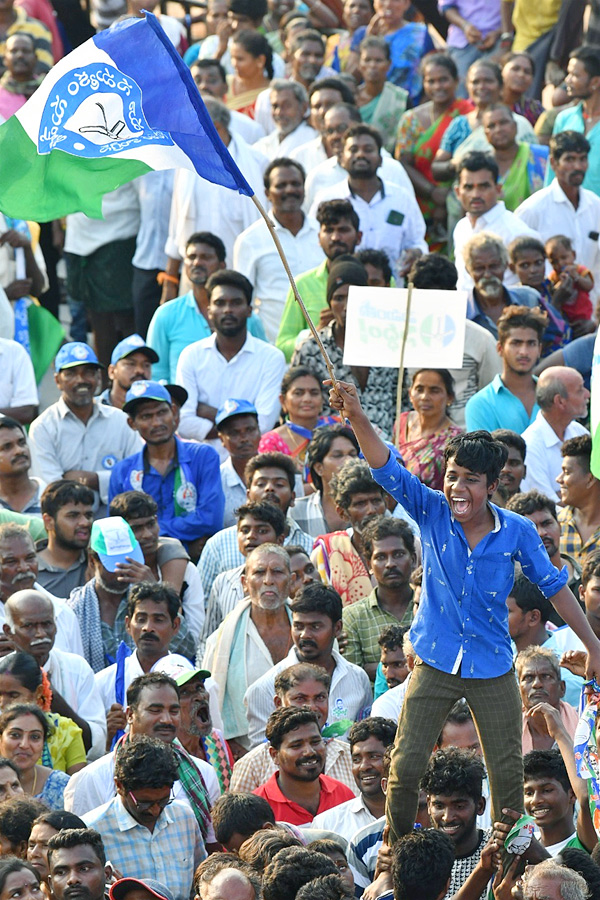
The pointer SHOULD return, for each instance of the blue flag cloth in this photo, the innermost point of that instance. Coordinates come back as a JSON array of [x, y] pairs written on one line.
[[123, 651]]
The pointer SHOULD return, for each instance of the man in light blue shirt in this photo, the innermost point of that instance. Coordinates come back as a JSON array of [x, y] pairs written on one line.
[[509, 400], [184, 320]]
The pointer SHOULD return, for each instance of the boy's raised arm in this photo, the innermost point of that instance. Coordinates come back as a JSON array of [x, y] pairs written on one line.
[[344, 398]]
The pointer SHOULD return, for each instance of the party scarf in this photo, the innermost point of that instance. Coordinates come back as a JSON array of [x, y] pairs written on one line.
[[587, 758], [216, 754]]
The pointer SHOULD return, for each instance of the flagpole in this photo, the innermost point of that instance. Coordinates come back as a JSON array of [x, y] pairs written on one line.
[[295, 291], [401, 369]]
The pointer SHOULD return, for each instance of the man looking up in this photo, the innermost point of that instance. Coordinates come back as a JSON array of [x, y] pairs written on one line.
[[303, 684], [252, 638], [78, 437], [298, 790], [368, 742], [580, 498], [230, 363], [509, 401], [153, 709], [30, 625], [182, 477], [67, 511], [389, 215], [316, 623], [183, 320], [256, 256], [389, 548], [145, 772], [130, 361], [562, 397], [18, 490], [338, 234]]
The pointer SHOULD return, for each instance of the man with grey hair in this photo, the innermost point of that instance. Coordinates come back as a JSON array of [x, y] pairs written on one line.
[[289, 106], [255, 255], [199, 205], [252, 638], [551, 881], [30, 627], [562, 397], [486, 260]]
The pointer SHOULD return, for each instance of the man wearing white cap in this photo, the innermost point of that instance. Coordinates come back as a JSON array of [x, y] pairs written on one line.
[[131, 360], [78, 437]]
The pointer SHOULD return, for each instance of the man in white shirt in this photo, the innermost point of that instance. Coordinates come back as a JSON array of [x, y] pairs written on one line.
[[199, 205], [390, 218], [316, 623], [211, 80], [153, 709], [255, 254], [565, 207], [18, 490], [31, 626], [368, 741], [289, 105], [229, 363], [562, 398], [336, 122], [18, 391], [478, 191], [322, 95], [80, 438]]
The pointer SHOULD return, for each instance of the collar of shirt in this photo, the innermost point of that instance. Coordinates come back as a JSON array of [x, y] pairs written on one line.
[[473, 308], [100, 409], [492, 215], [308, 225], [549, 436], [174, 462], [498, 385], [249, 346], [190, 300], [229, 475], [375, 198]]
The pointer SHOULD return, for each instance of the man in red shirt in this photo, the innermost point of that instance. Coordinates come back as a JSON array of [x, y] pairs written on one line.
[[299, 790]]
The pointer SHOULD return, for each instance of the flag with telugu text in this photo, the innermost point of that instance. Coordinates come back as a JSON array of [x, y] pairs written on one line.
[[122, 104]]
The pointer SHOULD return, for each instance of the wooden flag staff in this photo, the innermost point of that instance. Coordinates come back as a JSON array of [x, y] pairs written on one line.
[[295, 291], [401, 369]]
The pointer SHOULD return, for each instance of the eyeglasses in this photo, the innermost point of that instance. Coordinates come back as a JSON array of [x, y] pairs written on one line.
[[145, 805]]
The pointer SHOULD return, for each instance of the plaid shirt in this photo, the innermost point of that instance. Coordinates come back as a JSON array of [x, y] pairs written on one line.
[[570, 539], [257, 766], [168, 854], [221, 552], [363, 623], [308, 513]]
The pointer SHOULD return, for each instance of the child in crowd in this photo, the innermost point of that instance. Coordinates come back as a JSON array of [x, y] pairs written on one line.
[[527, 259], [571, 283]]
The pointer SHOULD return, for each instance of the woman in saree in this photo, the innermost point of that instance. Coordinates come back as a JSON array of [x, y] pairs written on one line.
[[301, 401], [380, 102], [420, 132], [518, 70], [339, 54], [425, 430], [252, 61]]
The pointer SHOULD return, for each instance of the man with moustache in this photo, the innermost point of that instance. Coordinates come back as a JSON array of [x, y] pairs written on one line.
[[182, 477], [153, 709], [478, 191], [583, 85], [18, 490], [67, 511], [19, 572], [130, 361], [256, 256], [316, 623], [77, 864], [298, 790], [30, 626], [486, 260]]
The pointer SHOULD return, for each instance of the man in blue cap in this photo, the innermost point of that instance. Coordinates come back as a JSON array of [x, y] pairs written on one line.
[[131, 360], [183, 477], [237, 426], [78, 437]]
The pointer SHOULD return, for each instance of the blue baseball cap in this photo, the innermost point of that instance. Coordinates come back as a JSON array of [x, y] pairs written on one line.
[[145, 390], [235, 408], [132, 344], [75, 353], [113, 541]]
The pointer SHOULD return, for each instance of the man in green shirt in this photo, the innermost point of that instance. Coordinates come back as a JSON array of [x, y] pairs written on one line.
[[338, 234], [389, 547]]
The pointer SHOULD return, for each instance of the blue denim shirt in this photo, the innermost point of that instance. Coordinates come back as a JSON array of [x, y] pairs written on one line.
[[463, 616]]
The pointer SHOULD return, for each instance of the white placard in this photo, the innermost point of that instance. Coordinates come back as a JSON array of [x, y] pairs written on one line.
[[116, 537], [375, 325]]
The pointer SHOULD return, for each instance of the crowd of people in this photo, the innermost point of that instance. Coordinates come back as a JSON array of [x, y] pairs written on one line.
[[269, 636]]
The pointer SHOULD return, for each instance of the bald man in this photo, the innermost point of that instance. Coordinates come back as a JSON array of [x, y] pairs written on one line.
[[226, 884], [30, 626], [562, 398]]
